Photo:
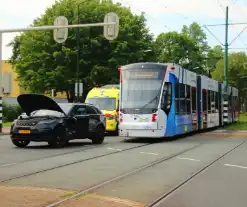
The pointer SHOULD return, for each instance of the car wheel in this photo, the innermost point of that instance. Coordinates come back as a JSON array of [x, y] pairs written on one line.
[[20, 143], [59, 140], [99, 136]]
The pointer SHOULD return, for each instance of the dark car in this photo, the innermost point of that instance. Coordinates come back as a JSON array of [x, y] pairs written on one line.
[[46, 120]]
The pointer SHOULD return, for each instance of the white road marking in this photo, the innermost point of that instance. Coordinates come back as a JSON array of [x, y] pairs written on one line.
[[8, 164], [109, 148], [238, 166], [149, 153], [185, 158]]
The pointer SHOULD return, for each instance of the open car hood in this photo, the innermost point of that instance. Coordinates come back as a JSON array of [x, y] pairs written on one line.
[[33, 102]]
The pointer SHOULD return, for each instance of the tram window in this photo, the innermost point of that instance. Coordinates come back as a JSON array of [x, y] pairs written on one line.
[[166, 97], [216, 102], [182, 99], [209, 101], [182, 90], [188, 99], [188, 91], [177, 98], [204, 97], [193, 100], [212, 99]]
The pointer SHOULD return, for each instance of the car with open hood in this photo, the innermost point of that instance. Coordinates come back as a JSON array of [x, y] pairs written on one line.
[[44, 120]]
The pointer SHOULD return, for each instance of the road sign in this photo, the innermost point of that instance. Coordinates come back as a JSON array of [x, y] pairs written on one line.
[[76, 89], [60, 35], [111, 31], [80, 89]]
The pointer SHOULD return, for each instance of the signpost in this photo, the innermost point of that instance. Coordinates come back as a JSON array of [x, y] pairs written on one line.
[[78, 89], [60, 34]]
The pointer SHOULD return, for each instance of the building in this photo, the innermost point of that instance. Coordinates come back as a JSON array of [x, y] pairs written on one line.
[[11, 88]]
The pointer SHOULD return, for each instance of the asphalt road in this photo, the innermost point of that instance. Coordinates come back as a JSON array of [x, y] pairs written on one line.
[[151, 183], [223, 184], [9, 154]]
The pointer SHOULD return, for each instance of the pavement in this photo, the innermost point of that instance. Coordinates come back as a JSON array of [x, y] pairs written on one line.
[[79, 169], [223, 184]]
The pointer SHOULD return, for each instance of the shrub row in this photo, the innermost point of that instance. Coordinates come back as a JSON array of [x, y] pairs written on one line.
[[10, 112]]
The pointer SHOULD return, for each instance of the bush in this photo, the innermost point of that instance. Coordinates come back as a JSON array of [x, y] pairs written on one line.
[[10, 112]]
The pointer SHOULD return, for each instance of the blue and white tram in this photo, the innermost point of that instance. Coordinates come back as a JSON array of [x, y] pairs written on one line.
[[164, 100], [209, 102]]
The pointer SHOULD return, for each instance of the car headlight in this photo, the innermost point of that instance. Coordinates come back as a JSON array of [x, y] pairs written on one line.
[[46, 122]]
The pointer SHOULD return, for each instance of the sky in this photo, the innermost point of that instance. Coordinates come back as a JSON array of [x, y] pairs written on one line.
[[161, 15]]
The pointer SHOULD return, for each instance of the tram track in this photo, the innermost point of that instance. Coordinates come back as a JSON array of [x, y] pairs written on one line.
[[130, 173], [81, 149], [160, 199], [70, 163]]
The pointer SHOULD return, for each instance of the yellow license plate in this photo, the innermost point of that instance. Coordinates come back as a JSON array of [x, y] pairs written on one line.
[[24, 131], [143, 120]]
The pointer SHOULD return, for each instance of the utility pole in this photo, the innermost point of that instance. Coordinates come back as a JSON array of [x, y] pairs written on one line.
[[226, 52], [78, 48]]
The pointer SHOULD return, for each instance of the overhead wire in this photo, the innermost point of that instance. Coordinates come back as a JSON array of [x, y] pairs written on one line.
[[203, 26], [242, 30], [238, 35], [145, 14]]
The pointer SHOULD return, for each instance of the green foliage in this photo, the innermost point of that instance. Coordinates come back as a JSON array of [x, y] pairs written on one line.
[[43, 64], [180, 49], [10, 112], [237, 73], [198, 35], [240, 125], [214, 55]]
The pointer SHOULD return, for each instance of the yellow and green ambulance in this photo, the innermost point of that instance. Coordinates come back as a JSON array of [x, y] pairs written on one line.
[[106, 98]]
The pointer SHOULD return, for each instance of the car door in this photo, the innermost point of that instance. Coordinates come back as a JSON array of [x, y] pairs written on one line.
[[81, 122], [94, 118]]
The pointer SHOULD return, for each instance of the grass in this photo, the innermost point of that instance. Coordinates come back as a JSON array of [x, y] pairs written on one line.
[[240, 125], [7, 124]]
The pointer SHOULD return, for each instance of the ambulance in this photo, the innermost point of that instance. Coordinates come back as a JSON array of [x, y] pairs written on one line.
[[106, 98]]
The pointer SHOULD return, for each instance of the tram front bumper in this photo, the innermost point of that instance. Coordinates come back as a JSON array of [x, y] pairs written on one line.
[[151, 133]]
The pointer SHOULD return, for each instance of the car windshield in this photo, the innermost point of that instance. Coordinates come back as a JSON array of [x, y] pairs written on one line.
[[104, 103], [44, 112], [65, 107]]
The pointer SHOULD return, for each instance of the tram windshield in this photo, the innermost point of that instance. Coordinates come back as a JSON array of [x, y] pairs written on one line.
[[141, 90]]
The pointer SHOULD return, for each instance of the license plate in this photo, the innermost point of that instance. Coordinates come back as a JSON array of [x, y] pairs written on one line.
[[143, 120], [24, 132]]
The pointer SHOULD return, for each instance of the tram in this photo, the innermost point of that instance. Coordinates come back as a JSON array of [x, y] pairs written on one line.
[[164, 100]]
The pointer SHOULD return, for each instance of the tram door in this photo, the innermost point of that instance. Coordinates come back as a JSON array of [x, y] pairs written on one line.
[[194, 109], [204, 108]]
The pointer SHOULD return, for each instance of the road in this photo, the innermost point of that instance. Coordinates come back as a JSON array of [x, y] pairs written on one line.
[[140, 171]]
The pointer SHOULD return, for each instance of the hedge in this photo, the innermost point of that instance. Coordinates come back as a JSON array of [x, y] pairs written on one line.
[[10, 112]]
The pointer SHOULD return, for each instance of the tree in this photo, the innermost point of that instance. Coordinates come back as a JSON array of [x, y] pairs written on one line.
[[237, 73], [43, 64], [178, 48], [214, 55], [199, 36]]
